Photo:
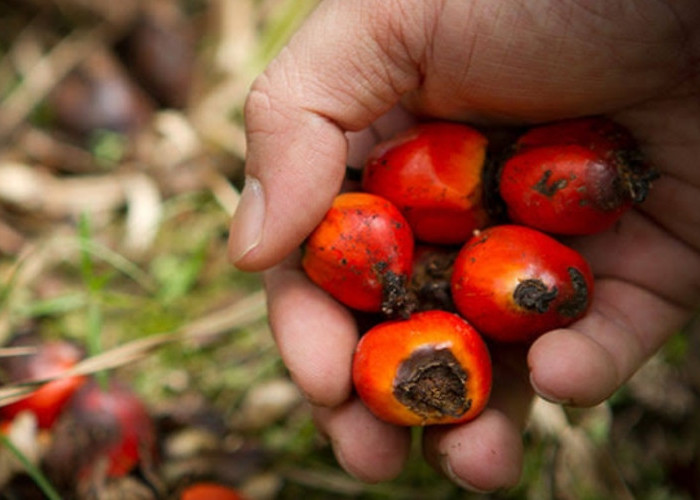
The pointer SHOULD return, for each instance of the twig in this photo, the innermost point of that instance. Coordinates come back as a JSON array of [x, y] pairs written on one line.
[[245, 311], [34, 472]]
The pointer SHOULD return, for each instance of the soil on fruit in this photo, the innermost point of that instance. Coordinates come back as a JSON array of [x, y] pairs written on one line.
[[545, 188], [578, 303], [432, 383], [533, 295]]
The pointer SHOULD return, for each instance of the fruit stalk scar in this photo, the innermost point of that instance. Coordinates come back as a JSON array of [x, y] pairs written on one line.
[[533, 295], [432, 383]]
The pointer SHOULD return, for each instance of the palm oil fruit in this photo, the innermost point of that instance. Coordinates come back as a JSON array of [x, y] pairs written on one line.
[[433, 368], [361, 253], [49, 362], [426, 244], [210, 491], [433, 174], [574, 177], [513, 283]]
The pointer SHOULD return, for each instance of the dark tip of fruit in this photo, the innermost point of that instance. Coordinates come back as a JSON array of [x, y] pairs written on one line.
[[639, 185], [533, 295], [636, 175], [577, 304], [431, 383]]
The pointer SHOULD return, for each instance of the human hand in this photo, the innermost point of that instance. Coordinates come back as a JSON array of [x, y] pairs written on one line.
[[493, 63]]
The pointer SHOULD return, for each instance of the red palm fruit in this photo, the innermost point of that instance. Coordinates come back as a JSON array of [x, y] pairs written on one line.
[[574, 177], [361, 253], [433, 174], [112, 426], [210, 491], [49, 362], [513, 283], [432, 368], [599, 134]]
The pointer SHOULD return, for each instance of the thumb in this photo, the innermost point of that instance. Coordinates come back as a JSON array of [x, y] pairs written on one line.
[[335, 75]]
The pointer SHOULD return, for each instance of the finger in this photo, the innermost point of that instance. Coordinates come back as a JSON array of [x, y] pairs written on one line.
[[367, 448], [646, 288], [585, 364], [297, 114], [541, 61], [316, 336], [670, 139], [373, 54], [360, 143], [512, 393], [482, 455], [486, 454]]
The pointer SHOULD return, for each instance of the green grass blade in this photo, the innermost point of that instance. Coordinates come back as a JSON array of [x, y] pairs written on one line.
[[32, 470]]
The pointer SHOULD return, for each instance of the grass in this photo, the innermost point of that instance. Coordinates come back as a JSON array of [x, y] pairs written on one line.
[[31, 469]]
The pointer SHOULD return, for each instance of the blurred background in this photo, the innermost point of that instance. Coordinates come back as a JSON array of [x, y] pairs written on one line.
[[121, 158]]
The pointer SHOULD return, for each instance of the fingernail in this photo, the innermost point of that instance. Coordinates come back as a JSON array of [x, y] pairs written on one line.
[[546, 396], [447, 468], [247, 222]]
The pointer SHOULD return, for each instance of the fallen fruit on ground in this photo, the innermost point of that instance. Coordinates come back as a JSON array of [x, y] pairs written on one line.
[[110, 433], [514, 283], [433, 368], [49, 361], [433, 174], [210, 491]]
